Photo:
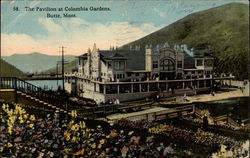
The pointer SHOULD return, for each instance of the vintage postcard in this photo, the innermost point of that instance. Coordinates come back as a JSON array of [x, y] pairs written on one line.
[[124, 78]]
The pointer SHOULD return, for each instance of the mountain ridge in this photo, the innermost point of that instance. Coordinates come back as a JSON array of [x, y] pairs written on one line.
[[35, 62], [224, 28]]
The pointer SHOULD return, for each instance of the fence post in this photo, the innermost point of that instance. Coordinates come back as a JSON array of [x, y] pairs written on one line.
[[15, 90]]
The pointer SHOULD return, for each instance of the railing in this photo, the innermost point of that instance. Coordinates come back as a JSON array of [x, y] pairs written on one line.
[[197, 112], [226, 119], [107, 109], [32, 90], [175, 113], [186, 107], [220, 118], [60, 100]]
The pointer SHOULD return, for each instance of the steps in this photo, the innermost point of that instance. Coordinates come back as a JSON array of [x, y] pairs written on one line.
[[42, 102], [220, 120], [30, 91]]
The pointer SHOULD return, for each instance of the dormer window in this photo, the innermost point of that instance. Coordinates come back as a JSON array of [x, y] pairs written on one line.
[[119, 65], [116, 65]]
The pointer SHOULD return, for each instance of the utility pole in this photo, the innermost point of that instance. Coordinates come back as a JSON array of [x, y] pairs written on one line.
[[0, 63], [62, 63], [63, 68], [57, 74]]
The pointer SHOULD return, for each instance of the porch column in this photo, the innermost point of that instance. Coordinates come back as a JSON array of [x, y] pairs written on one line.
[[139, 87], [221, 81], [166, 86], [205, 84], [132, 88], [158, 85], [148, 87], [230, 82], [198, 83], [104, 89], [118, 89], [183, 85]]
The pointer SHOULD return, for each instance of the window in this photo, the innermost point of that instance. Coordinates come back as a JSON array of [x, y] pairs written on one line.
[[179, 75], [167, 65], [155, 64], [199, 62], [208, 62], [116, 65], [137, 74], [179, 64], [119, 65], [120, 76], [122, 65], [129, 74], [109, 64]]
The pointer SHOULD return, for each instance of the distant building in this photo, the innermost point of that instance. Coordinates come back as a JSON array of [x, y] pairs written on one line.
[[111, 75]]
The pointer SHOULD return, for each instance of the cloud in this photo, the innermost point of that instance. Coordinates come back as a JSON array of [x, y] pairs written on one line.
[[160, 13], [51, 26], [76, 34]]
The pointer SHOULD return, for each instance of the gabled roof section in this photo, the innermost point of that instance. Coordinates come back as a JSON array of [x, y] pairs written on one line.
[[135, 59], [83, 56], [117, 56], [203, 53]]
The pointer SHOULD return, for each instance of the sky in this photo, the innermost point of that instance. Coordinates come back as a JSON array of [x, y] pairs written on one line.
[[24, 32]]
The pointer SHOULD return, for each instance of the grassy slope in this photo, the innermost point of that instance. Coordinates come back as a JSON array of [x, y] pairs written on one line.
[[225, 28], [8, 70]]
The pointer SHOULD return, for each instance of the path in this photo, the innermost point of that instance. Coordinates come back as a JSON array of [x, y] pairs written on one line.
[[217, 96]]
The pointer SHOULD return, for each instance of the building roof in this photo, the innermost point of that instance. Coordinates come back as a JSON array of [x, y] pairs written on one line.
[[189, 62], [83, 56], [135, 59], [203, 53]]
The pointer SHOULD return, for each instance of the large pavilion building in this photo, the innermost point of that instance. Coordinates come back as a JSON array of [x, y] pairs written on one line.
[[124, 75]]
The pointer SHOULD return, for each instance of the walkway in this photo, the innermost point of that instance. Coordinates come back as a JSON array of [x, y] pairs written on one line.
[[218, 96]]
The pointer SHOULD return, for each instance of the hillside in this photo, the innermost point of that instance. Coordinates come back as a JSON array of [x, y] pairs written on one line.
[[35, 62], [8, 70], [67, 67], [224, 28]]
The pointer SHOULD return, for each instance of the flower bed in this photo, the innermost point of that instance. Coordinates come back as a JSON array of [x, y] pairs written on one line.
[[24, 135]]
